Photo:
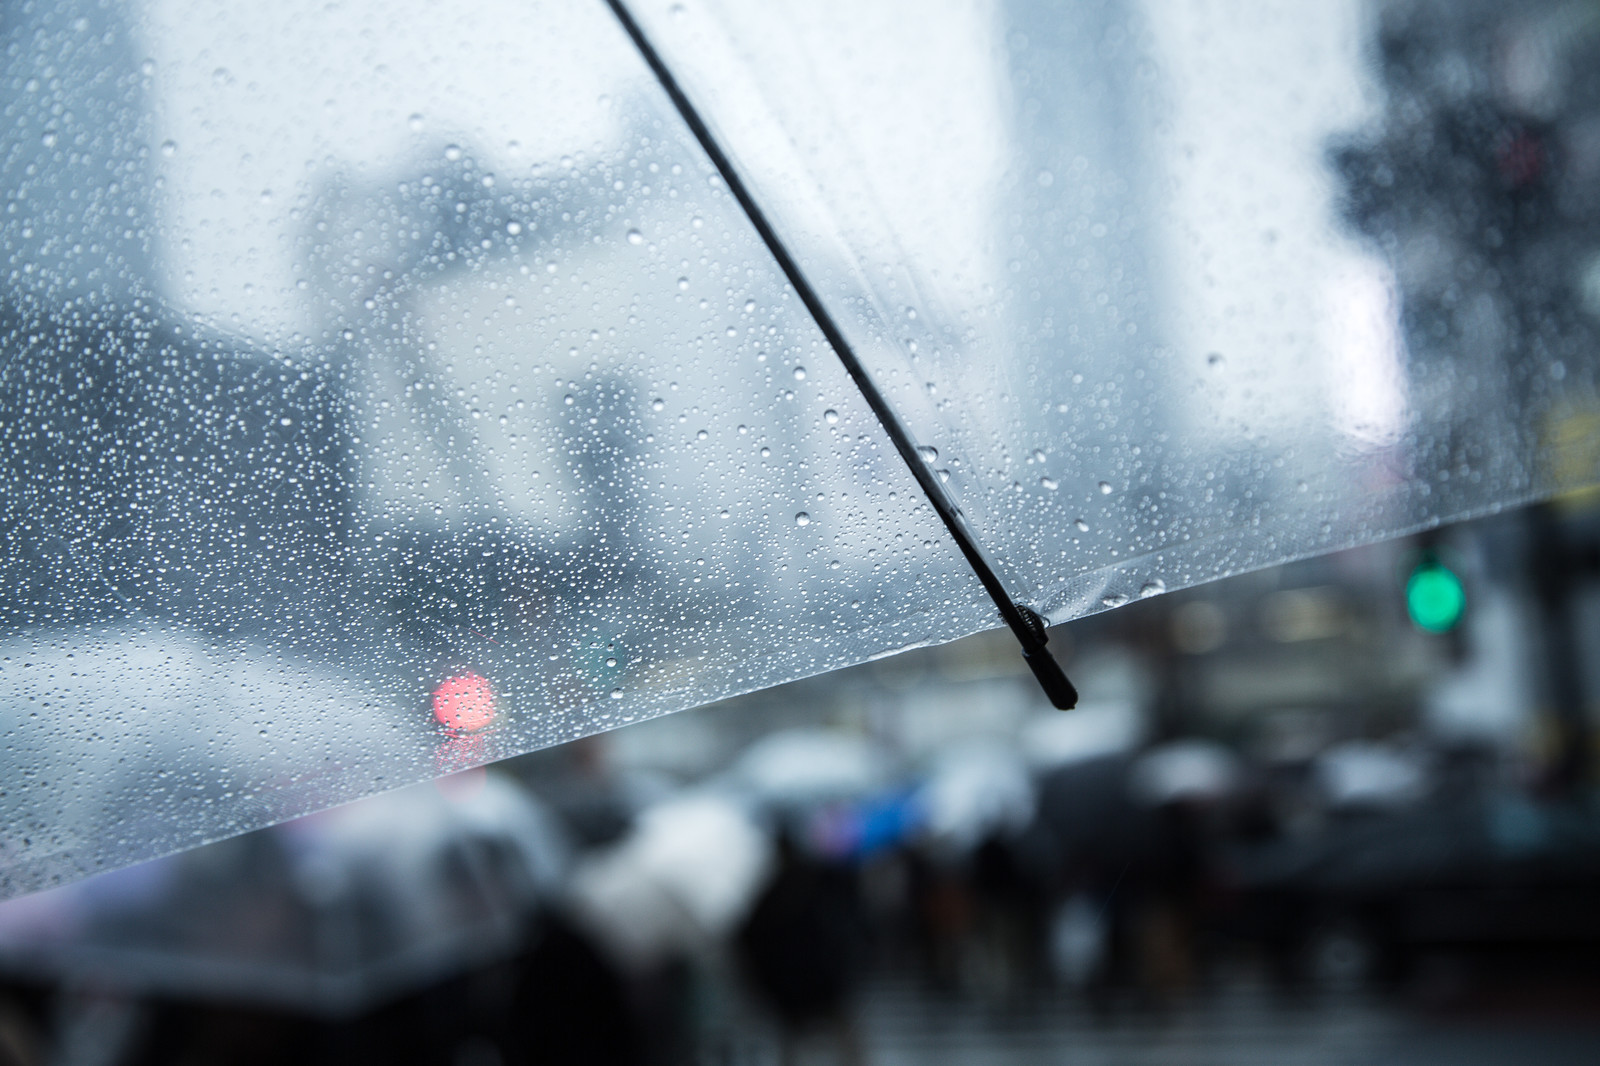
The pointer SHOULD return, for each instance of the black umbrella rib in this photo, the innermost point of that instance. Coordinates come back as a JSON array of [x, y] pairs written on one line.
[[1027, 625]]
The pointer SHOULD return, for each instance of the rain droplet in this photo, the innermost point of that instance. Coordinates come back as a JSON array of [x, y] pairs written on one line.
[[799, 373], [616, 693], [749, 306], [1083, 527], [49, 139], [683, 284], [612, 661], [569, 399], [513, 228], [657, 404], [765, 452], [1050, 483], [452, 152], [701, 435], [1038, 455], [1114, 599], [1216, 361], [802, 519], [635, 237], [928, 452], [1105, 488], [1153, 587], [169, 148], [415, 122], [830, 416]]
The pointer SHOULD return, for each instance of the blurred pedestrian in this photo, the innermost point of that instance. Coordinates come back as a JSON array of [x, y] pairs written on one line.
[[801, 948]]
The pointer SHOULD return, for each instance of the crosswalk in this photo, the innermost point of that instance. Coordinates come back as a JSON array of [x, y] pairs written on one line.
[[901, 1023]]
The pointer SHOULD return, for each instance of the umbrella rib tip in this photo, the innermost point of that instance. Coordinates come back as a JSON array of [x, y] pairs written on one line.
[[1063, 695]]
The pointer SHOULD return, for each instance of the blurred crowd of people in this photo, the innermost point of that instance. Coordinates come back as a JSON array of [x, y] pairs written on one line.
[[568, 908]]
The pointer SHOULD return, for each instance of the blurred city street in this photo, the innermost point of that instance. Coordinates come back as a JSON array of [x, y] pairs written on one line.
[[799, 533]]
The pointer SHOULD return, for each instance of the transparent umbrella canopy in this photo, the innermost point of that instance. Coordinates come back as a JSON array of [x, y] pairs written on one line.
[[387, 389]]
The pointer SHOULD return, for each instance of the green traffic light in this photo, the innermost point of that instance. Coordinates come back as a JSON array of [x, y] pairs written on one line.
[[1435, 598]]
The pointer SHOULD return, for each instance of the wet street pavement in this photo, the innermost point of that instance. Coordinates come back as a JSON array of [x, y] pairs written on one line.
[[1241, 1025]]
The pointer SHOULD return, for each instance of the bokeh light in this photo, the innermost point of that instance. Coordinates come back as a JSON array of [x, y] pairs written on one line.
[[1435, 598], [464, 703]]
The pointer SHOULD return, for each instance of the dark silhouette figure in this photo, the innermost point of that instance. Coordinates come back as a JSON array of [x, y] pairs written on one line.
[[801, 947]]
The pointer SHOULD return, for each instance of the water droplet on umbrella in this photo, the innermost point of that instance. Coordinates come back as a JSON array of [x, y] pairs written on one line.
[[1083, 527], [616, 693], [635, 237], [1050, 483], [928, 452], [1153, 587], [830, 416], [799, 373], [1105, 488], [802, 519]]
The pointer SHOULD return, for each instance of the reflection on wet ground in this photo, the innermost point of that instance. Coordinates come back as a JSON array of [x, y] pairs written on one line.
[[1236, 1023]]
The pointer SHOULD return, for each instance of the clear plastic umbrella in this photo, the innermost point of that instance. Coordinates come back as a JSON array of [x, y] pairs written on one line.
[[415, 386], [807, 766], [680, 881]]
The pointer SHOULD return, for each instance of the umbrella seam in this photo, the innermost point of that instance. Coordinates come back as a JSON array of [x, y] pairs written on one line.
[[1024, 623]]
